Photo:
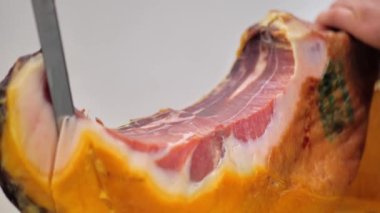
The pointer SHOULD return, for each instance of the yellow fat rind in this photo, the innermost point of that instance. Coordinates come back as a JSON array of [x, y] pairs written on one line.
[[34, 183], [287, 27], [76, 188], [99, 179]]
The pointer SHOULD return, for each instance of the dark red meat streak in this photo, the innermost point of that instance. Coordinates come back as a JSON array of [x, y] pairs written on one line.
[[201, 128]]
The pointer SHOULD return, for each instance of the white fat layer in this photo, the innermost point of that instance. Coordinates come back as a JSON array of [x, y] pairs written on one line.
[[67, 142], [37, 126]]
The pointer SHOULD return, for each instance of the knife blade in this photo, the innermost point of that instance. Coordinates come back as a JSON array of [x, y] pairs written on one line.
[[54, 59]]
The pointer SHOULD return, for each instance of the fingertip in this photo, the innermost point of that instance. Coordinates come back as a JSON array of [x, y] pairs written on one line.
[[337, 17], [321, 18], [322, 21]]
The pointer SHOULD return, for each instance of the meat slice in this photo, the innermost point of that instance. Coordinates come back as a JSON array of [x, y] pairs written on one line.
[[284, 130], [242, 106]]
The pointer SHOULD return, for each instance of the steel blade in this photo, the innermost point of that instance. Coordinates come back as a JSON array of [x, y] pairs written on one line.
[[54, 60]]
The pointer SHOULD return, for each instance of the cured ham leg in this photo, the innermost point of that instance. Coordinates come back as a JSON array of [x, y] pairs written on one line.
[[284, 130]]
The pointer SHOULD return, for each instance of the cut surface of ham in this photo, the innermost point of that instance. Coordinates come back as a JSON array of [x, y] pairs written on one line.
[[241, 106], [287, 123]]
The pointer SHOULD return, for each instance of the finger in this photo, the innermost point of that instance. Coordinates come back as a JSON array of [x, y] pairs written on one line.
[[356, 6], [359, 18], [338, 17], [349, 4]]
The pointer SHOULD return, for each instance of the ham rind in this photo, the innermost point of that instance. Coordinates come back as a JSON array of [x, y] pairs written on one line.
[[284, 129]]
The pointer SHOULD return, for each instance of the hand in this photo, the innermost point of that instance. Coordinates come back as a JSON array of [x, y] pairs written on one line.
[[360, 18]]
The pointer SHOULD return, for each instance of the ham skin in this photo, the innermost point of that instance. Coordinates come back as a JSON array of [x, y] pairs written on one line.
[[284, 130]]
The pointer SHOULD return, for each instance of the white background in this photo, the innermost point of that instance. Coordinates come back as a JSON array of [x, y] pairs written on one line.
[[127, 59]]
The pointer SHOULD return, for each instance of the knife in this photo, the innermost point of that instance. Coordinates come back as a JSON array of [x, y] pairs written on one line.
[[54, 60]]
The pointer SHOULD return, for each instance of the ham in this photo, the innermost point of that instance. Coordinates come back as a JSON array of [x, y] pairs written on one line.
[[287, 123], [241, 107]]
